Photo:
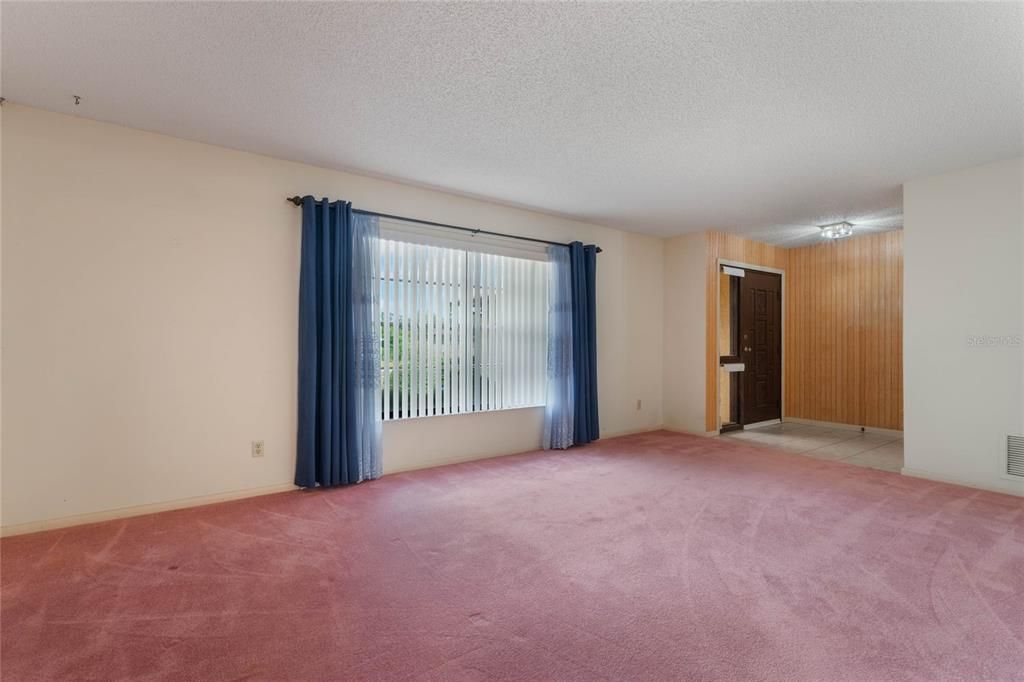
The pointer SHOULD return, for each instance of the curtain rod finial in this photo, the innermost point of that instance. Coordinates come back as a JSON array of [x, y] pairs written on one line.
[[297, 200]]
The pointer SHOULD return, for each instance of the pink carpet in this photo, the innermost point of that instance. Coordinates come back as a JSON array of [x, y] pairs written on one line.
[[657, 556]]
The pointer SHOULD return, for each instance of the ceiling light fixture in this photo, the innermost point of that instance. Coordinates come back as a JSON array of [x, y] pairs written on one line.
[[836, 230]]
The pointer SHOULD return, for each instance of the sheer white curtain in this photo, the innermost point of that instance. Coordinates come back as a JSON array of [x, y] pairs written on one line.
[[559, 410], [365, 395]]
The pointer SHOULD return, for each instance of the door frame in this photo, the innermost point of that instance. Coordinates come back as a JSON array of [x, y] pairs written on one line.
[[718, 322]]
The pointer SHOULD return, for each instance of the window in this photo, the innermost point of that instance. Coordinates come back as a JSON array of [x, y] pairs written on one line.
[[462, 331]]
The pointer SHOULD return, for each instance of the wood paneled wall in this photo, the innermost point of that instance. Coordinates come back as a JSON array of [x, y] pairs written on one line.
[[843, 326], [844, 331], [729, 247]]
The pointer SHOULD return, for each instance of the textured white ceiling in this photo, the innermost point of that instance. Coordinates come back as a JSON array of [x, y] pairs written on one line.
[[757, 118], [795, 233]]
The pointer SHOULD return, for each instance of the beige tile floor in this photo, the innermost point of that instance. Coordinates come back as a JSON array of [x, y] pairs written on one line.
[[877, 451]]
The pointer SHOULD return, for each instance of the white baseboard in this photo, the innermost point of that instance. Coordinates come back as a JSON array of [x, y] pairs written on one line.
[[1009, 488], [139, 510], [170, 505], [633, 432], [761, 425], [699, 434], [848, 427], [462, 459]]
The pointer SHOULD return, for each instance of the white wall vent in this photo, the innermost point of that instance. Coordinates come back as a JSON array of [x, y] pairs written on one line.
[[1015, 456]]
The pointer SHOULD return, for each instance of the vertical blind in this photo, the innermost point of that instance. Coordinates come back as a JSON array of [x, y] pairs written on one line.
[[461, 331]]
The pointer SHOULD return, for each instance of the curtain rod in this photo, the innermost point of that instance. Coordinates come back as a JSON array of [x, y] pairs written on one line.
[[297, 200]]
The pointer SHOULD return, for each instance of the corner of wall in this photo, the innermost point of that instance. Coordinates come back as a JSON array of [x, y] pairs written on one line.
[[964, 314]]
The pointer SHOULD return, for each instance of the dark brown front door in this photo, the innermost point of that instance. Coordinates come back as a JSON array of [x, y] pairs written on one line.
[[761, 345]]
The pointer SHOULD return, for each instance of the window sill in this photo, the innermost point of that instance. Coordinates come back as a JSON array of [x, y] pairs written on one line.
[[463, 414]]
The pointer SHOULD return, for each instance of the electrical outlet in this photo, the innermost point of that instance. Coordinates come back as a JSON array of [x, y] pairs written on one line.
[[257, 448], [639, 404]]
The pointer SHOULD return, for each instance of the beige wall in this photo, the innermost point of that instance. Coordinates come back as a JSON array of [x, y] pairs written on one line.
[[685, 258], [149, 319], [963, 330]]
